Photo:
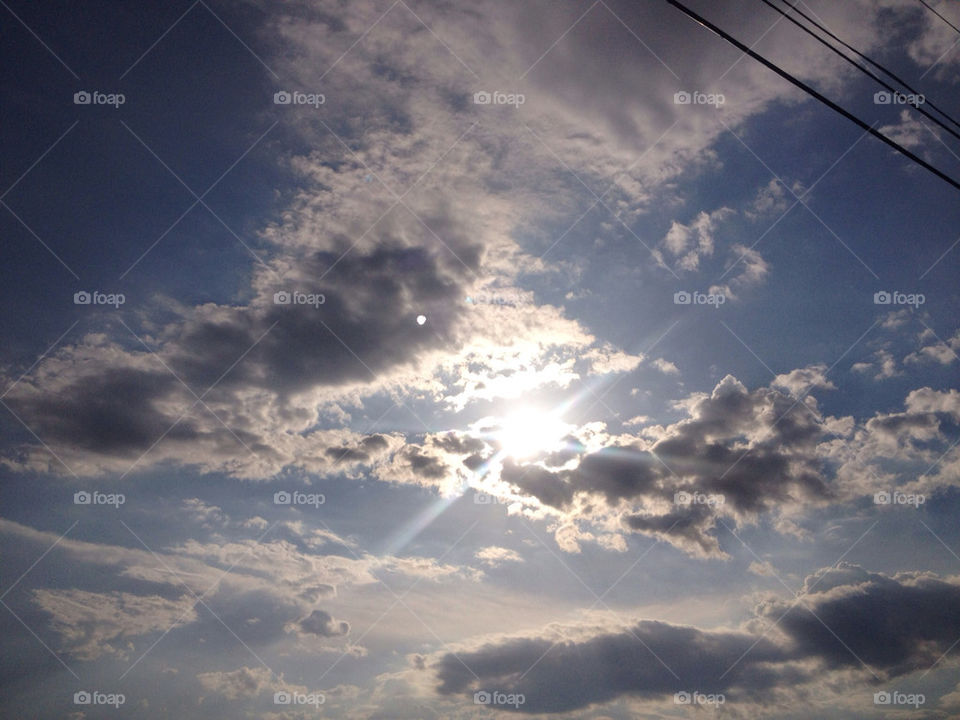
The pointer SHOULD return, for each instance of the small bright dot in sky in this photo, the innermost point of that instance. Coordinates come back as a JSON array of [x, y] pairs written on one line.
[[421, 319]]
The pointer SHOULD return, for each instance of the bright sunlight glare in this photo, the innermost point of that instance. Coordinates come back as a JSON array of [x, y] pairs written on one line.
[[529, 432]]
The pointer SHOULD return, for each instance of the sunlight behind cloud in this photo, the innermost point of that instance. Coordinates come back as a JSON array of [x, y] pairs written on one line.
[[528, 432]]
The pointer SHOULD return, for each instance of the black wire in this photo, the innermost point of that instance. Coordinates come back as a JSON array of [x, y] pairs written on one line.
[[881, 68], [939, 15], [915, 105], [810, 91]]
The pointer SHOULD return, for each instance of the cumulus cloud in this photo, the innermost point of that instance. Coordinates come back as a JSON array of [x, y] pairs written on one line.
[[322, 624], [235, 387], [685, 247], [802, 380], [739, 453], [566, 668], [686, 244], [92, 624], [764, 568], [649, 659], [259, 589], [880, 638], [943, 352], [773, 199], [882, 362], [248, 387], [911, 132], [245, 682], [495, 556], [912, 449], [291, 362], [665, 366]]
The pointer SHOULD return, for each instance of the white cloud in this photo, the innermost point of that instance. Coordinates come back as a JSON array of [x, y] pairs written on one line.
[[495, 556], [942, 352], [802, 380], [665, 366], [92, 624]]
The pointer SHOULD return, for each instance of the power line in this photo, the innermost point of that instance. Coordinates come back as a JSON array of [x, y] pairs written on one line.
[[889, 73], [931, 9], [915, 104], [810, 91]]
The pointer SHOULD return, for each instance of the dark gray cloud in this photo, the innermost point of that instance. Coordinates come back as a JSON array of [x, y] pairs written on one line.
[[370, 304], [600, 100], [322, 624], [904, 424], [458, 444], [362, 452], [606, 96], [550, 488], [426, 466], [893, 624], [896, 624], [754, 451], [617, 473], [111, 413], [649, 659], [690, 527]]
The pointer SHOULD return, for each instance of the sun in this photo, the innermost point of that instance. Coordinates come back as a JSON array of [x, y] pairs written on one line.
[[529, 432]]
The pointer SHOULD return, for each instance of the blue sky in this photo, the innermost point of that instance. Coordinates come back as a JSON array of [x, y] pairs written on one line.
[[387, 402]]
